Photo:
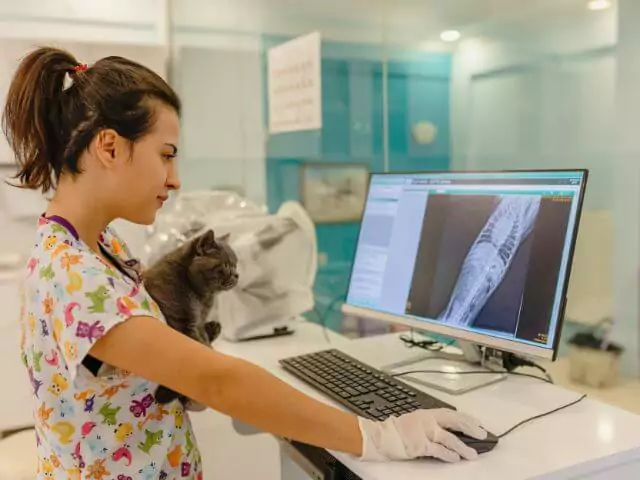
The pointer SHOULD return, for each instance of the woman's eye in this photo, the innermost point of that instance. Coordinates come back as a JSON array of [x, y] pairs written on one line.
[[168, 157]]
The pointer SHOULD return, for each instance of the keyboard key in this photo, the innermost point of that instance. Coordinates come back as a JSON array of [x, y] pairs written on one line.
[[351, 380], [315, 377]]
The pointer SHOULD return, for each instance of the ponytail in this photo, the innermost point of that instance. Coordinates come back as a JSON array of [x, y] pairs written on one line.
[[49, 124], [32, 119]]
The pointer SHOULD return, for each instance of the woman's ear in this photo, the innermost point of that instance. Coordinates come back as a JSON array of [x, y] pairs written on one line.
[[106, 147]]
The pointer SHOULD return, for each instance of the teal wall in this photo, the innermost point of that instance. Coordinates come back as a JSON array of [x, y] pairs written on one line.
[[352, 116]]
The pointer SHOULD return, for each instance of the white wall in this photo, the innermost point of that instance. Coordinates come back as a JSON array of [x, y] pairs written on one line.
[[563, 95], [124, 21], [544, 98], [626, 180], [223, 141]]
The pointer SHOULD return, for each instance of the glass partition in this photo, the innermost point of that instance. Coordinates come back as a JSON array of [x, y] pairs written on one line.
[[422, 86]]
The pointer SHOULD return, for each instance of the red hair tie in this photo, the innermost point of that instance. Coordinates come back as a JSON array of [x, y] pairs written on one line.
[[81, 67]]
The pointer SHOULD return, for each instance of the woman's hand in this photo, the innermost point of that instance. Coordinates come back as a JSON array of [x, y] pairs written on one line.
[[423, 433]]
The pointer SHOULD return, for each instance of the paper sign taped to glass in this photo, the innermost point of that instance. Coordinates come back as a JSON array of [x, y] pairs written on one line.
[[294, 85]]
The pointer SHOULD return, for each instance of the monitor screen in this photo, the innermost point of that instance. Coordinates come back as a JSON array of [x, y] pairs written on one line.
[[483, 257]]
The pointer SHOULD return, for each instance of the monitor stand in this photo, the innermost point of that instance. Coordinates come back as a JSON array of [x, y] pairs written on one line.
[[467, 358]]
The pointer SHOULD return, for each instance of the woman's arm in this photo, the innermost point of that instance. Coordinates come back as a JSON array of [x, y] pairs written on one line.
[[152, 350]]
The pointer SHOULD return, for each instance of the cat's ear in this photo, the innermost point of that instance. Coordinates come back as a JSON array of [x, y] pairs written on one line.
[[206, 243]]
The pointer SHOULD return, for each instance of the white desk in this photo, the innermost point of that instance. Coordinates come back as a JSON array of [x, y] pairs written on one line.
[[591, 440]]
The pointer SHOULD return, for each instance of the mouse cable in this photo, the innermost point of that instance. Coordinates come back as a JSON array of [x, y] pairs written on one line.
[[483, 372], [555, 410]]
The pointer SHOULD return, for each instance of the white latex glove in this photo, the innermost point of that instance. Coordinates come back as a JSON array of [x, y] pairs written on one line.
[[422, 433]]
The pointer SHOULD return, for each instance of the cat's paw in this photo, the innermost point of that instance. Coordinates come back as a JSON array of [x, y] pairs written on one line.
[[212, 329], [164, 395]]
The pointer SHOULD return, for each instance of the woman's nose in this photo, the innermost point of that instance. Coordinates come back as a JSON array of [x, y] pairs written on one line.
[[173, 180]]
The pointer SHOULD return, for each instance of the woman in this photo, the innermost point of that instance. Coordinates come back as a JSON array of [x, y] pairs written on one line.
[[95, 345]]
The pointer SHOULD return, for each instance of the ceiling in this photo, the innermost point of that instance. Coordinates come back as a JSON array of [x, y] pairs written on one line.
[[395, 21]]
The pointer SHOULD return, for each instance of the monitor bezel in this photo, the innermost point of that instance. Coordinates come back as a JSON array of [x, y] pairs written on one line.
[[513, 346]]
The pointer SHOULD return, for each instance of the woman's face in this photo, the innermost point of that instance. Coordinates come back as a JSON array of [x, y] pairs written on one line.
[[149, 173]]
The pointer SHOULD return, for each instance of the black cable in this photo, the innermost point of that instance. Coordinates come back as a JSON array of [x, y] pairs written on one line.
[[524, 422], [548, 379], [429, 345], [474, 372], [323, 323], [511, 361], [331, 304], [323, 318], [410, 342], [543, 370]]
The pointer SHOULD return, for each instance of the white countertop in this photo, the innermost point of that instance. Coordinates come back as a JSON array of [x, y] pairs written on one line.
[[576, 443]]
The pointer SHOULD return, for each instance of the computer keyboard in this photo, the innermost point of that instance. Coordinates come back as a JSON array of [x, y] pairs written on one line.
[[364, 390]]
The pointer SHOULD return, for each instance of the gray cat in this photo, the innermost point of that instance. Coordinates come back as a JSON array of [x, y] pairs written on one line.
[[184, 284]]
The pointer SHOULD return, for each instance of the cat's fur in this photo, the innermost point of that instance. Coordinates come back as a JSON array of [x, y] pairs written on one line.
[[184, 284]]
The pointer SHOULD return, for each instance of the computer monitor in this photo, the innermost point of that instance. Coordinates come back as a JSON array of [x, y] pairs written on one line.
[[482, 257]]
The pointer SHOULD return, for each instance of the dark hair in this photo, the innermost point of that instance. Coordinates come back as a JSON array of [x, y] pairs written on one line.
[[49, 125]]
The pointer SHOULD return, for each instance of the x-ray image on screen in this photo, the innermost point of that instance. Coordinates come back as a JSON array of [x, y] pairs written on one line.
[[474, 266], [490, 257]]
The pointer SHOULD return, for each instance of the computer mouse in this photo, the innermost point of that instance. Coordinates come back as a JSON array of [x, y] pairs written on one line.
[[480, 446]]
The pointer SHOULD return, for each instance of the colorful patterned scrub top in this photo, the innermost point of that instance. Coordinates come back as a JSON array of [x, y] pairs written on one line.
[[94, 421]]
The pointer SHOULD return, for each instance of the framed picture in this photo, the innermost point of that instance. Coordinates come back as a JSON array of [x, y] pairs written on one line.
[[334, 192]]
